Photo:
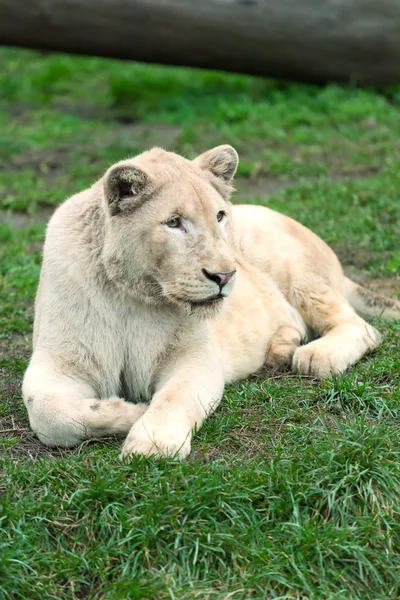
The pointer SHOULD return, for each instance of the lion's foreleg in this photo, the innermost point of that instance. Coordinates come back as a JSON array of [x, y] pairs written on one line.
[[64, 410], [191, 391]]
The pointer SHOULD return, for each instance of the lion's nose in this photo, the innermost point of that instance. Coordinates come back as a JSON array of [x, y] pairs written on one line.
[[220, 278]]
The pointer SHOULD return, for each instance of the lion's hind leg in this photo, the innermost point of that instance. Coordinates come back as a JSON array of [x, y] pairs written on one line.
[[345, 337], [64, 411]]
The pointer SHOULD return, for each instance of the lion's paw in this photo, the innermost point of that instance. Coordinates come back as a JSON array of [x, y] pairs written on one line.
[[283, 345], [372, 337], [158, 442], [318, 361]]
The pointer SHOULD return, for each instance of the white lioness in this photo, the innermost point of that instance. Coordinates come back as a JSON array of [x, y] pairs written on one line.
[[155, 289]]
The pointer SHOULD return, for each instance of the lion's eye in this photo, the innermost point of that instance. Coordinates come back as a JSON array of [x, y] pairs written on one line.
[[173, 222], [220, 215]]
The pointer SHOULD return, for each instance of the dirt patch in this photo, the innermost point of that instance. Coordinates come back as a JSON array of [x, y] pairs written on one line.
[[45, 161], [354, 257], [50, 162], [355, 261], [15, 436], [261, 186], [258, 188], [386, 286], [26, 444], [19, 220], [355, 264], [146, 135]]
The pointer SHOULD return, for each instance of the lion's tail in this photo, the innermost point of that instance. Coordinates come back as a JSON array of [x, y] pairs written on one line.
[[369, 304]]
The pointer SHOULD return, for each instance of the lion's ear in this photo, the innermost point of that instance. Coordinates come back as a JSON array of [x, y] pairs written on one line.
[[221, 161], [124, 187]]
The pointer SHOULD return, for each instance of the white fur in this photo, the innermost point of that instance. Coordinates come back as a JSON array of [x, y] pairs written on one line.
[[117, 306]]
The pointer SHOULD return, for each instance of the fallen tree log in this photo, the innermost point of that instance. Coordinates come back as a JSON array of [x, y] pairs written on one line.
[[312, 40]]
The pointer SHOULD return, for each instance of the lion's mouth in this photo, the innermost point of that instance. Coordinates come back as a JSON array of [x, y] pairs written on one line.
[[210, 301]]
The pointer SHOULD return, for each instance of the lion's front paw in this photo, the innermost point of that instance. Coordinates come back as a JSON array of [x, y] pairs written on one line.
[[317, 361], [283, 345], [157, 441]]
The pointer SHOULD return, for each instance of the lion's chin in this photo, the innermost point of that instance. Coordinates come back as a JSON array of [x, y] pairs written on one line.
[[206, 309], [202, 309]]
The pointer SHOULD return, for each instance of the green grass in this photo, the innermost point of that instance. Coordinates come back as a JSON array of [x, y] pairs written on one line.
[[293, 486]]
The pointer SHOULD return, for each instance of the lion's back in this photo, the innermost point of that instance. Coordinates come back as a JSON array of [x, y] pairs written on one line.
[[276, 243]]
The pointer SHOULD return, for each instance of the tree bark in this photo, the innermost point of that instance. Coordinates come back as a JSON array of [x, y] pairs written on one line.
[[312, 40]]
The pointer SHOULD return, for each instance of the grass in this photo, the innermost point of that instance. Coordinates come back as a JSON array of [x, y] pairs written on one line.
[[293, 487]]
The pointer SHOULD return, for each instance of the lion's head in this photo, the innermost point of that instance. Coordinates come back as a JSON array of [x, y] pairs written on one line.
[[168, 233]]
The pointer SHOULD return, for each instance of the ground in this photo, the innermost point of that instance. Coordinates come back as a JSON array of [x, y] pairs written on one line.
[[293, 486]]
